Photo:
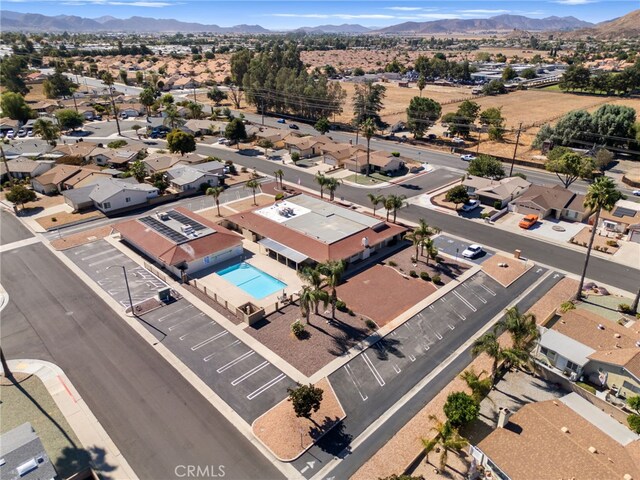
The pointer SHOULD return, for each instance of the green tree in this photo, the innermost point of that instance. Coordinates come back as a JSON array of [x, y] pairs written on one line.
[[215, 192], [57, 85], [461, 409], [603, 159], [416, 239], [421, 84], [574, 128], [306, 399], [240, 62], [375, 201], [19, 194], [522, 328], [159, 181], [489, 345], [235, 131], [492, 117], [321, 180], [447, 438], [421, 115], [322, 125], [47, 130], [14, 107], [601, 195], [333, 271], [367, 103], [393, 203], [253, 185], [494, 87], [172, 117], [529, 74], [486, 166], [195, 110], [69, 119], [576, 77], [109, 81], [216, 95], [279, 174], [148, 98], [611, 121], [266, 144], [332, 185], [12, 71], [368, 130], [508, 73], [137, 170], [570, 167], [181, 142], [457, 195], [480, 387]]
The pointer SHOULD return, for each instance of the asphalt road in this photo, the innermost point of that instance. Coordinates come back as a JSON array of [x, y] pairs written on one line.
[[11, 230], [154, 416]]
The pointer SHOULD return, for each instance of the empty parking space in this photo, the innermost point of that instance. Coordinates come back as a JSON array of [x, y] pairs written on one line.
[[455, 247]]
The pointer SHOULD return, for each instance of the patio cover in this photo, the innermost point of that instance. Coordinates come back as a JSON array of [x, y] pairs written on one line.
[[569, 348], [283, 250]]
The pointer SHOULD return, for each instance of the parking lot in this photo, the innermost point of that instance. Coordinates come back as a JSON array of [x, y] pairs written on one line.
[[95, 259], [454, 247]]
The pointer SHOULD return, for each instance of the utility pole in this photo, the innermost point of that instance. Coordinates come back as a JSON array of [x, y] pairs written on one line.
[[262, 110], [479, 135], [513, 160]]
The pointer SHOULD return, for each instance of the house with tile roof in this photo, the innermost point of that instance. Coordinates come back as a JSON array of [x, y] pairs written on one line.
[[567, 438], [556, 201], [379, 161], [306, 147], [336, 153], [490, 191]]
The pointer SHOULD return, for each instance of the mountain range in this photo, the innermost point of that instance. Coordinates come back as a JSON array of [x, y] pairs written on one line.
[[627, 25]]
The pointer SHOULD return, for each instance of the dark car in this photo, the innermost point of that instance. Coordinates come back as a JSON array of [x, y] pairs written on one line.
[[293, 126]]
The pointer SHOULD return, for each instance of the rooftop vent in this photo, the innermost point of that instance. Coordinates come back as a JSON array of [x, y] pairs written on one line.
[[617, 335], [593, 450], [600, 326], [564, 430]]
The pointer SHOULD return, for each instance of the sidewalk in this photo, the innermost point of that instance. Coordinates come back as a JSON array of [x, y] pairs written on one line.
[[85, 425]]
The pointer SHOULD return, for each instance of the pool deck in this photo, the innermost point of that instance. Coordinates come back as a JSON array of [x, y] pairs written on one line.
[[252, 280], [235, 295]]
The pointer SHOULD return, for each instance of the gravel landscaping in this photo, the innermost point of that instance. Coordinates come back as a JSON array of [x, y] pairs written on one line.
[[81, 238]]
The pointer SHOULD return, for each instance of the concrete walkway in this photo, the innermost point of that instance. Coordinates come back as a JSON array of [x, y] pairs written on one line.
[[85, 425]]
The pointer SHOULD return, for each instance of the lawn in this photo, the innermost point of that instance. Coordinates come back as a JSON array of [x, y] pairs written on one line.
[[373, 179]]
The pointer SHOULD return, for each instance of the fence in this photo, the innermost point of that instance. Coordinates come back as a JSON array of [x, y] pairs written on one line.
[[156, 271], [214, 296]]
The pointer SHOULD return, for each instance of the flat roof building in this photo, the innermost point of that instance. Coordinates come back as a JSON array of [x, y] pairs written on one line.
[[23, 456]]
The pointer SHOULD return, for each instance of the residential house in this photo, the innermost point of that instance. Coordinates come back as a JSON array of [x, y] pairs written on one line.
[[182, 111], [21, 168], [190, 178], [379, 161], [161, 162], [181, 241], [555, 201], [24, 456], [36, 77], [199, 127], [624, 214], [186, 83], [88, 113], [45, 106], [491, 192], [131, 110], [110, 195], [564, 438], [85, 176], [113, 157], [31, 148], [7, 124], [276, 136], [78, 149], [51, 181], [306, 147]]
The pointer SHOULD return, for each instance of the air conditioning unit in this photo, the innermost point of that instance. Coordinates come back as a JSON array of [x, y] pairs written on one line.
[[163, 216]]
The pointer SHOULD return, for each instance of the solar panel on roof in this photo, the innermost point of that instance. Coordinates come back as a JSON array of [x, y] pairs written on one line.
[[164, 230], [624, 212], [183, 219]]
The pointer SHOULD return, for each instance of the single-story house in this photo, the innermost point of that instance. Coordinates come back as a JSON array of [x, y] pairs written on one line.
[[87, 112], [379, 161], [161, 162], [181, 241], [184, 178], [116, 158], [276, 136], [45, 106], [51, 181], [186, 83], [131, 110], [306, 147], [36, 77], [557, 201], [624, 214], [24, 456], [490, 191], [182, 111], [87, 175], [31, 148], [110, 195], [336, 153], [199, 127], [78, 149], [21, 167], [7, 124]]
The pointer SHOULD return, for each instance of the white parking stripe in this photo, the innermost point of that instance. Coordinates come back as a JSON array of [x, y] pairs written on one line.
[[254, 370], [96, 255], [208, 340], [412, 358], [108, 259], [266, 386], [173, 327], [376, 375], [465, 301], [488, 290], [474, 293], [209, 357], [236, 361], [396, 368], [347, 368], [160, 319]]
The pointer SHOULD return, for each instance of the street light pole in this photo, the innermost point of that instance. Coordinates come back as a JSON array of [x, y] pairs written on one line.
[[126, 282]]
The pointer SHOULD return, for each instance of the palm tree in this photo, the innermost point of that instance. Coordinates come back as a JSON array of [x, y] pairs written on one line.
[[432, 250], [47, 130], [315, 279], [522, 328], [321, 180], [215, 192], [425, 232], [195, 110], [306, 302], [279, 175], [447, 438], [108, 80], [368, 130], [388, 205], [172, 117], [416, 239], [489, 344], [375, 201], [480, 387], [333, 271], [253, 185], [332, 185], [266, 144], [602, 194], [394, 203]]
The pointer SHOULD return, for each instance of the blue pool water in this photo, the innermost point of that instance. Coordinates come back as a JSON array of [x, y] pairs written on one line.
[[252, 280]]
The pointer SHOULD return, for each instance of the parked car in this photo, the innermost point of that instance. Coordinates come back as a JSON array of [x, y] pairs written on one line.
[[29, 133], [123, 115], [281, 120], [10, 134], [293, 126], [223, 141], [457, 140], [22, 133], [432, 136], [472, 251], [470, 205], [528, 221], [97, 118], [636, 193], [467, 158]]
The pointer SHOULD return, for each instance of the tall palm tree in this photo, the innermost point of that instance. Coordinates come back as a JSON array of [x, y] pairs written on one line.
[[215, 192], [375, 201], [432, 250], [368, 130], [332, 185], [315, 279], [395, 202], [388, 205], [602, 195], [253, 185], [489, 344], [333, 271], [306, 302], [47, 130], [321, 180], [172, 117], [447, 438], [522, 328], [109, 81], [425, 232], [195, 110], [416, 239], [279, 176], [480, 387]]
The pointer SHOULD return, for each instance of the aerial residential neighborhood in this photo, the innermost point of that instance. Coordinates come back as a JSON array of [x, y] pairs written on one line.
[[320, 240]]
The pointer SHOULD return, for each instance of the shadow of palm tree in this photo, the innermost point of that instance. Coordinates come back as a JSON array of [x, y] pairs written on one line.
[[74, 460], [386, 346]]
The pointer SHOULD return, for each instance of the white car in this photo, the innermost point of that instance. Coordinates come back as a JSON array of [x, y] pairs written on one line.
[[10, 134], [467, 158], [472, 251], [636, 193], [470, 205], [223, 141]]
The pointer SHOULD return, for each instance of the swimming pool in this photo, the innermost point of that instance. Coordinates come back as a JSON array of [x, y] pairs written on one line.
[[252, 280]]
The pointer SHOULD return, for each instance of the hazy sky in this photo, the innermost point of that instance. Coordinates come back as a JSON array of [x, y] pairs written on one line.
[[296, 13]]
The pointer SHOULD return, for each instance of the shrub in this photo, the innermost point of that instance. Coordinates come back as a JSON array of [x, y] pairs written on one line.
[[279, 196], [566, 306], [612, 243], [371, 325], [297, 328], [624, 308], [425, 276], [295, 157], [461, 409], [586, 387], [392, 263], [605, 249], [340, 305], [413, 273], [117, 144], [395, 154], [634, 422], [436, 279], [484, 215], [54, 219], [351, 313], [497, 205]]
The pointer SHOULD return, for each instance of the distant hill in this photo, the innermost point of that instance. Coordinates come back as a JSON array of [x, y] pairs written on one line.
[[498, 23], [14, 21], [627, 26], [345, 28]]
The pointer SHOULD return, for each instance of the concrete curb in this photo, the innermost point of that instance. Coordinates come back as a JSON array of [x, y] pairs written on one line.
[[81, 419]]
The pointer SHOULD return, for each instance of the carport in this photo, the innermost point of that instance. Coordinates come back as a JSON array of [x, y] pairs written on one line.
[[282, 253]]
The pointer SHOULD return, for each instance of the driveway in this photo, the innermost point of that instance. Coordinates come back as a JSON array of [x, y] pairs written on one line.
[[548, 228]]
